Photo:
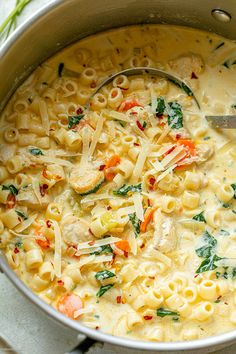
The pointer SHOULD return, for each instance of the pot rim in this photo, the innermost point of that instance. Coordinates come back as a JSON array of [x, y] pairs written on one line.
[[213, 341]]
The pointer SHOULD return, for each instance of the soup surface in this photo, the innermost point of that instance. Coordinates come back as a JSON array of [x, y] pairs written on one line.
[[123, 216]]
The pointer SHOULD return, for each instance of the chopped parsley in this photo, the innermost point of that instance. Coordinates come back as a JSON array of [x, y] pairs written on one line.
[[103, 289], [74, 120], [125, 189], [208, 264], [175, 115], [200, 217], [135, 222], [209, 247], [21, 214], [161, 312], [35, 151], [104, 274], [160, 106], [11, 188]]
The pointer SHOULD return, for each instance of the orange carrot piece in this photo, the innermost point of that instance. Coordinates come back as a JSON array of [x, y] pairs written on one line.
[[128, 104], [189, 145], [113, 161], [44, 244], [147, 218], [123, 245], [69, 304]]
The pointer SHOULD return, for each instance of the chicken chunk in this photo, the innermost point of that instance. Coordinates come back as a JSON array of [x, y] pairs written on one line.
[[187, 64], [75, 230], [85, 182], [205, 152], [165, 238]]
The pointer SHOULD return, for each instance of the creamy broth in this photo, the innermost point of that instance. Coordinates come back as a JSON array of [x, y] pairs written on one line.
[[123, 216]]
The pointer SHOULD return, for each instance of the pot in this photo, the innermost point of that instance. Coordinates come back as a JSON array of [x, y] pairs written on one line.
[[62, 22]]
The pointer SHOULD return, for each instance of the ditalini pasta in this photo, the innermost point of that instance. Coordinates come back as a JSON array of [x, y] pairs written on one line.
[[123, 215]]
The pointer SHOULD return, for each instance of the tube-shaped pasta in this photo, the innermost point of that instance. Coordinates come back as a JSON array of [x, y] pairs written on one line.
[[88, 76], [207, 290], [213, 218], [115, 97], [225, 192], [203, 311], [33, 258], [98, 101], [72, 140], [192, 181], [190, 199], [46, 271], [154, 299], [121, 81], [1, 227], [190, 293], [22, 121], [10, 218], [168, 204], [11, 135], [26, 139], [20, 105], [15, 164], [3, 173], [174, 302], [54, 211]]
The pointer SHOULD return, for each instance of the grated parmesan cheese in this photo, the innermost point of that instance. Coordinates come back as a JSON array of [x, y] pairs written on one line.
[[57, 251], [96, 135], [138, 206]]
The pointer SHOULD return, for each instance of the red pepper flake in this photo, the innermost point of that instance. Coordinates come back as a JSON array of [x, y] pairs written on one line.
[[60, 282], [169, 151], [194, 76], [162, 124], [139, 125], [126, 254], [160, 117], [149, 202], [91, 243], [136, 144], [11, 201], [152, 180], [118, 299], [90, 231], [196, 275], [101, 167], [93, 84], [79, 110], [147, 318], [44, 173], [134, 113], [142, 245], [48, 223], [97, 327], [43, 189], [108, 207], [178, 136], [16, 250]]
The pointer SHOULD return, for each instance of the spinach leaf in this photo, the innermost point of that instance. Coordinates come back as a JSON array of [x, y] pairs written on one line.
[[103, 249], [21, 214], [104, 274], [19, 244], [135, 222], [208, 264], [60, 69], [224, 232], [182, 86], [35, 151], [233, 185], [128, 188], [103, 289], [12, 189], [210, 244], [160, 106], [200, 217], [74, 120], [161, 312], [175, 115]]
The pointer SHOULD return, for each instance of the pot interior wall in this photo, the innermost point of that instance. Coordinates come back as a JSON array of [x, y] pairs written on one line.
[[66, 21]]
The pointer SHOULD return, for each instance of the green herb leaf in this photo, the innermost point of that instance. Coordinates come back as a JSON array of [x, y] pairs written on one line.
[[160, 106], [210, 244], [200, 217], [103, 289], [125, 189], [175, 115], [208, 264], [161, 312], [60, 69], [135, 222], [74, 120], [103, 249], [104, 274], [224, 232], [233, 185], [226, 205], [19, 244], [182, 86], [10, 188], [21, 214], [35, 151]]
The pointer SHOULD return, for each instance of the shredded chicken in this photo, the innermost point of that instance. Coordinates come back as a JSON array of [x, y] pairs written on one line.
[[165, 238], [187, 65]]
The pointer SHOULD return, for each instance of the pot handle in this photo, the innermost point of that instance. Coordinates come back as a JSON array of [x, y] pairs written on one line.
[[84, 346]]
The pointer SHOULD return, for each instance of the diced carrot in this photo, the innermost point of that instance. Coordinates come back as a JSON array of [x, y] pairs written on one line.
[[189, 146], [183, 167], [69, 304], [123, 245], [44, 244], [147, 218], [128, 104], [113, 161]]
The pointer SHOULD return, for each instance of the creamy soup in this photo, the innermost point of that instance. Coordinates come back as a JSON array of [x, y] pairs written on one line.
[[123, 216]]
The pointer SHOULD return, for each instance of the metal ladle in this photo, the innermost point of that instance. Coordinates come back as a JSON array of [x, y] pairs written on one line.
[[225, 122]]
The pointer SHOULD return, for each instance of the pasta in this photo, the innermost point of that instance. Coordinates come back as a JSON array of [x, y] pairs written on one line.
[[119, 210]]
